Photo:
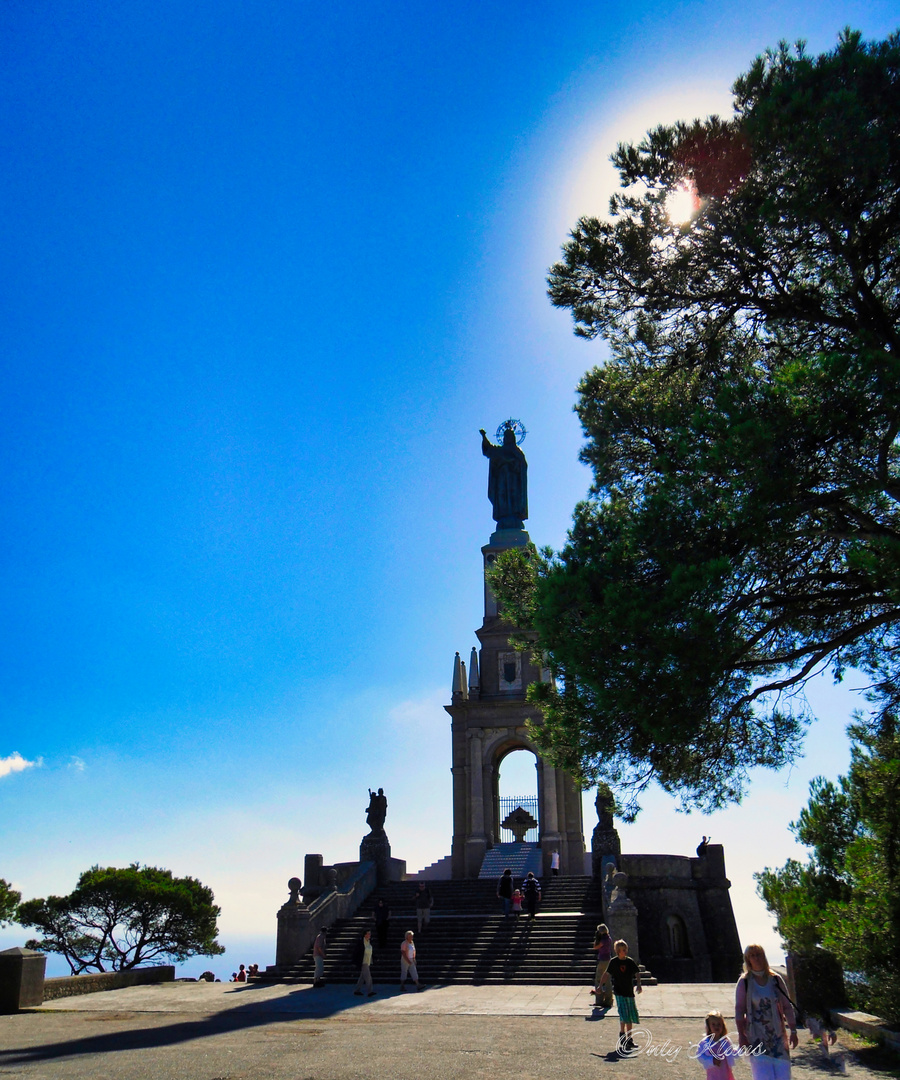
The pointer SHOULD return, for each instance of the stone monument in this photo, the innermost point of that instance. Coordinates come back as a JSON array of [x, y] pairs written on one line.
[[375, 846], [489, 708], [604, 839], [507, 477]]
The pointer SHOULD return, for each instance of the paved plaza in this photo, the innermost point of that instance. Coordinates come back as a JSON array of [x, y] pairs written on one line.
[[235, 999], [228, 1031]]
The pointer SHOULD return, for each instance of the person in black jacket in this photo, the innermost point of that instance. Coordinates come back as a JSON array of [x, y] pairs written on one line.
[[424, 903], [382, 922], [505, 891]]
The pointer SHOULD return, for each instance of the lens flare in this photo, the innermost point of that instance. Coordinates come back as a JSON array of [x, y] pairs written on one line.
[[683, 202]]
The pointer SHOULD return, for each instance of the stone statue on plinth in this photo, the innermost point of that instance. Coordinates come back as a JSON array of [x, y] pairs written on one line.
[[375, 847], [377, 810], [604, 839], [507, 477]]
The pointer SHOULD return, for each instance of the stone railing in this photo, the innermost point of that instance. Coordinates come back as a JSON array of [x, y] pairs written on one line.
[[73, 985], [298, 925]]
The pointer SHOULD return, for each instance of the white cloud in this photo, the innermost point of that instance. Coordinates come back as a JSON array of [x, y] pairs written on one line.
[[422, 714], [16, 763], [77, 764]]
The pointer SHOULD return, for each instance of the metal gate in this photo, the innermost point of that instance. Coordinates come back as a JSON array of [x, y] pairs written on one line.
[[508, 803]]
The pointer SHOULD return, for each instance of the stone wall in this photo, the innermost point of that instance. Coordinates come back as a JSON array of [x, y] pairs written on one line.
[[73, 985], [686, 923], [298, 924]]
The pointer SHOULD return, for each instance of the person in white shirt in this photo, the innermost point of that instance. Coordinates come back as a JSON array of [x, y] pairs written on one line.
[[408, 961]]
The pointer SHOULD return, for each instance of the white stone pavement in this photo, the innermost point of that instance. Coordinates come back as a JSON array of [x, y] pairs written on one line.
[[673, 1000]]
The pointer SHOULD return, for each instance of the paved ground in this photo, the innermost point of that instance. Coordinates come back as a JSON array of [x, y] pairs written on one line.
[[684, 1000], [224, 1031]]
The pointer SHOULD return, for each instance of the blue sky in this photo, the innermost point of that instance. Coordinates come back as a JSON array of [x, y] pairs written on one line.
[[267, 270]]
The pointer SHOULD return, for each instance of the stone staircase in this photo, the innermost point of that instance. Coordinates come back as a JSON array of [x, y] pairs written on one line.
[[468, 940], [519, 857], [442, 870]]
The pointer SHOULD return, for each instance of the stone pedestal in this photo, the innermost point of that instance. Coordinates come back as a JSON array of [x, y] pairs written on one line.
[[621, 917], [21, 979], [605, 843], [816, 981], [293, 928], [376, 848]]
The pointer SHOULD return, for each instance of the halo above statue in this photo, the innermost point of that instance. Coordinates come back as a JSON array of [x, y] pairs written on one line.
[[511, 425]]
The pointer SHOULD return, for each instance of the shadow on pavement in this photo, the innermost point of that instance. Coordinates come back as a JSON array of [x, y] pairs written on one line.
[[236, 1018]]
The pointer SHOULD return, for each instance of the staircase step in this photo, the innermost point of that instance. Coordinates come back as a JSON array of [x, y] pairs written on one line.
[[468, 940], [521, 858]]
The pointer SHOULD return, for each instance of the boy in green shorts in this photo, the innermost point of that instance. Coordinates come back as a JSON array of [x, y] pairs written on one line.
[[625, 975]]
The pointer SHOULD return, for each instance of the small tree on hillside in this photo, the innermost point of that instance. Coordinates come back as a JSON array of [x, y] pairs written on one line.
[[120, 918]]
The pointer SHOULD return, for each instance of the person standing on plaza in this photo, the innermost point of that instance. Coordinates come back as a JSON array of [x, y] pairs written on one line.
[[554, 863], [320, 951], [408, 961], [764, 1015], [424, 904], [626, 979], [505, 891], [365, 961], [603, 948], [716, 1051]]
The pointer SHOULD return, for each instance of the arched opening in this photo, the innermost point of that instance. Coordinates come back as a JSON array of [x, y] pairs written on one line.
[[517, 787], [676, 934]]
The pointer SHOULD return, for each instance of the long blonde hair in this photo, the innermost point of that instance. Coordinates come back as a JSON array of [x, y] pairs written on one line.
[[762, 951], [714, 1014]]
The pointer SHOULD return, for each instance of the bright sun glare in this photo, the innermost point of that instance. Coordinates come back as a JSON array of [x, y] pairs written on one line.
[[682, 203]]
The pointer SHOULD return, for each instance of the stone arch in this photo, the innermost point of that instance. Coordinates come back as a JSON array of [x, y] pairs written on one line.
[[675, 936], [483, 736], [501, 752]]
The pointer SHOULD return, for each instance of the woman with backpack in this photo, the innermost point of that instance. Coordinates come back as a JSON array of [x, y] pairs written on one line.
[[764, 1015]]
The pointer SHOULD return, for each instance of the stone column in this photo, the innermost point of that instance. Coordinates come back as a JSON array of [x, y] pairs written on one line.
[[549, 805], [294, 934], [549, 815], [476, 844], [21, 979], [491, 824], [477, 773]]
